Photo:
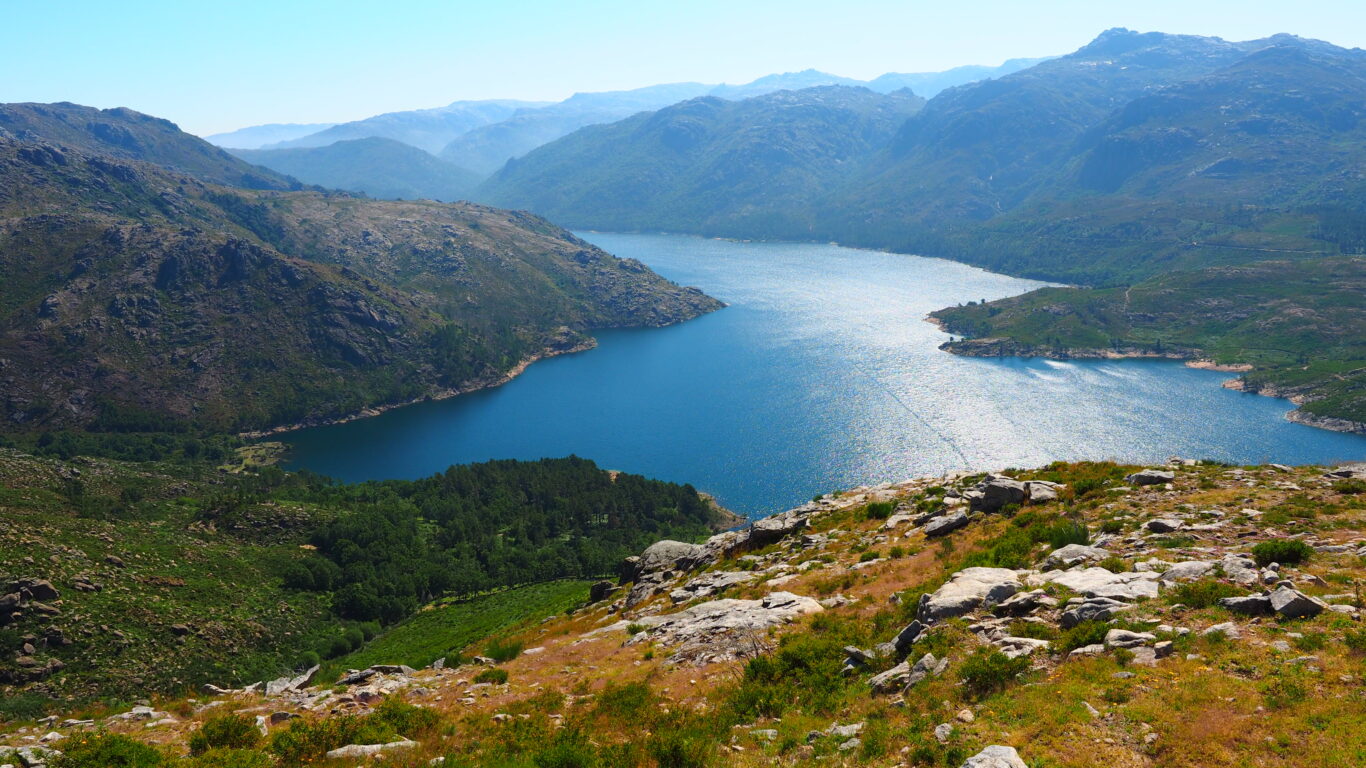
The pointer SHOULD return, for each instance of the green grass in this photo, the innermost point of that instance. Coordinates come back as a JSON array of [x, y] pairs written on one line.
[[449, 629]]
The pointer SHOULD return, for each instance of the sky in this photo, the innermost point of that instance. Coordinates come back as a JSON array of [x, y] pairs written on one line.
[[214, 67]]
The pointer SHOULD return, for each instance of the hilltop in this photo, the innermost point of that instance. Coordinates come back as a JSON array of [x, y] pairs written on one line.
[[1192, 614]]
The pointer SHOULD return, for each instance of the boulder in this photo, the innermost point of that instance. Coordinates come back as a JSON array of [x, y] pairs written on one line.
[[1150, 477], [35, 589], [907, 636], [1041, 492], [775, 528], [892, 680], [1098, 582], [1240, 569], [1164, 525], [996, 492], [1189, 570], [1091, 609], [927, 666], [996, 756], [1074, 554], [718, 630], [1123, 638], [366, 750], [1251, 605], [945, 524], [1293, 604], [667, 555], [1023, 603], [1227, 629], [966, 591], [600, 590]]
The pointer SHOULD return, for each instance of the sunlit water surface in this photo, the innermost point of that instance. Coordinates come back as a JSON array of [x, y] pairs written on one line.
[[821, 374]]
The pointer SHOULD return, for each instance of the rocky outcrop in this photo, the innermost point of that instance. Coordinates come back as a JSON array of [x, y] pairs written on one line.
[[968, 590], [1150, 477], [721, 630]]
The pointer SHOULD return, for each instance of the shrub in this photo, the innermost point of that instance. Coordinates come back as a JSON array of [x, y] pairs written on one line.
[[22, 706], [1356, 641], [1112, 526], [232, 758], [988, 670], [1350, 486], [867, 557], [355, 637], [634, 629], [1065, 532], [878, 510], [623, 701], [226, 732], [307, 741], [1114, 564], [1084, 634], [1283, 551], [501, 650], [491, 675], [408, 720], [308, 660], [1202, 594], [108, 750], [896, 552]]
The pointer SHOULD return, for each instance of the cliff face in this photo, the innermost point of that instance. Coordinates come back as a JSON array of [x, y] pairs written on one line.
[[136, 298]]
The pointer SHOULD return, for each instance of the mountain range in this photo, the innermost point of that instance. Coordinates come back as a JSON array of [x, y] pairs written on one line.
[[381, 168], [137, 297]]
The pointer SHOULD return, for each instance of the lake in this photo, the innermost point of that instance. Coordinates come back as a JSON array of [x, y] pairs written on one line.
[[821, 374]]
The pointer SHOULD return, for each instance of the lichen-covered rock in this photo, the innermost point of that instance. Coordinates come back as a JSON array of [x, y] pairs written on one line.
[[996, 756], [968, 590]]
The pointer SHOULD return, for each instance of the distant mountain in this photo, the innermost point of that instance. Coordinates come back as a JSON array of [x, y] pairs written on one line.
[[257, 136], [487, 148], [930, 84], [786, 81], [124, 133], [137, 298], [426, 129], [380, 168], [707, 164]]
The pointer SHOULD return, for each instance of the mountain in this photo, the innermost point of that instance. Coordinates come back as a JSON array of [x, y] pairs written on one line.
[[381, 168], [786, 81], [712, 164], [136, 298], [1295, 329], [487, 148], [930, 84], [123, 133], [257, 136], [426, 129]]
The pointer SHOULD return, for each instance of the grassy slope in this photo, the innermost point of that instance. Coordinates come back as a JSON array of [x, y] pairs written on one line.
[[1300, 325], [450, 629], [600, 701]]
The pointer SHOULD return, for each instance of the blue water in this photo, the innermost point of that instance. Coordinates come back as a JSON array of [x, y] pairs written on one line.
[[820, 375]]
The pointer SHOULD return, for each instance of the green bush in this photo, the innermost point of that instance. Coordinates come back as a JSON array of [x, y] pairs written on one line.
[[307, 740], [22, 706], [1356, 641], [1283, 551], [1065, 532], [1114, 564], [226, 732], [491, 675], [1084, 634], [108, 750], [878, 510], [1203, 593], [1350, 486], [988, 670], [501, 650], [623, 701], [232, 758]]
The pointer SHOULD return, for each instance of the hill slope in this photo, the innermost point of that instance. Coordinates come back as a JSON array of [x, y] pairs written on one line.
[[723, 167], [135, 298], [426, 129], [123, 133], [257, 136], [380, 168]]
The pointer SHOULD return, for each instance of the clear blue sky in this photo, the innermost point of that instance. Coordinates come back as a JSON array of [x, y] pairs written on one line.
[[219, 66]]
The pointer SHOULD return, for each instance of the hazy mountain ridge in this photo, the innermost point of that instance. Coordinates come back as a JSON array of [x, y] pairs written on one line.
[[257, 136], [380, 168], [426, 129]]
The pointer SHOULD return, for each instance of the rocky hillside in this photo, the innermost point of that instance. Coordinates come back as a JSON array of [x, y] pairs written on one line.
[[1076, 615], [136, 298], [377, 167]]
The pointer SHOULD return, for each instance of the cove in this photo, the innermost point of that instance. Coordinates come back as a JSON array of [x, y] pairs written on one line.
[[821, 374]]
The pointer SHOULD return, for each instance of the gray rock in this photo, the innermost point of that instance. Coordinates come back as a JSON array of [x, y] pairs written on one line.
[[1022, 603], [966, 591], [1123, 638], [907, 636], [1164, 525], [714, 630], [1041, 492], [996, 756], [366, 750], [1227, 629], [1098, 582], [942, 732], [996, 492], [1240, 569], [945, 524], [1074, 554], [1189, 570], [1250, 605], [892, 680], [1293, 604], [1150, 477], [927, 666], [1092, 609], [775, 528]]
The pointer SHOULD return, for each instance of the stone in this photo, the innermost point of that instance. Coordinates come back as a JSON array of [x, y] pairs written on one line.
[[1074, 554], [1189, 570], [1240, 569], [997, 492], [1098, 582], [366, 750], [1293, 604], [1088, 650], [1092, 609], [1150, 477], [600, 590], [996, 756], [943, 731], [1250, 605], [968, 590], [709, 584], [1123, 638], [891, 680], [775, 528], [1015, 647], [35, 589], [907, 636], [1227, 629], [667, 555], [1041, 492], [927, 666], [1164, 525], [718, 630], [945, 524], [1022, 603]]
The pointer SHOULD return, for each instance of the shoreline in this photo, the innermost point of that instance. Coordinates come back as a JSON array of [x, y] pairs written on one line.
[[442, 394], [1002, 347]]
